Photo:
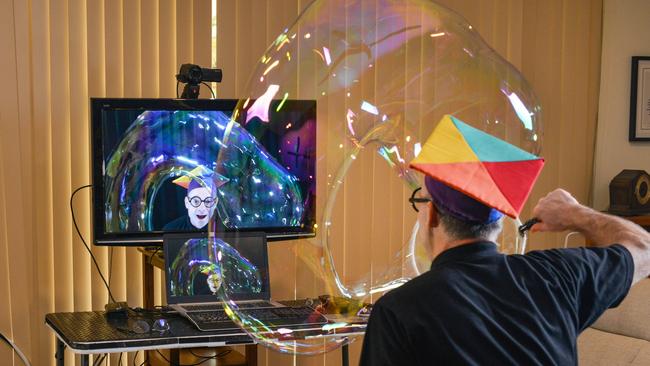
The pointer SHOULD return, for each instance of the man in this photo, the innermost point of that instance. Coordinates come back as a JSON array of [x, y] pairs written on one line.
[[201, 199], [477, 306]]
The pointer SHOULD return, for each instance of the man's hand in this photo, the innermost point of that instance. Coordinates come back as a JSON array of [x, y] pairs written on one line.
[[559, 211], [556, 211]]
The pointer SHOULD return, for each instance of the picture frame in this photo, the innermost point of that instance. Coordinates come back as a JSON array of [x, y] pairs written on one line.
[[640, 99]]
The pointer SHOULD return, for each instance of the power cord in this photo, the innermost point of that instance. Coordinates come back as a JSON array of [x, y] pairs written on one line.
[[566, 238], [84, 242], [211, 91], [154, 254], [205, 358], [99, 360], [16, 349], [218, 355]]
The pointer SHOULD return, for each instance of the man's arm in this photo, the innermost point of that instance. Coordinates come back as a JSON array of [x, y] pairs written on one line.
[[559, 211]]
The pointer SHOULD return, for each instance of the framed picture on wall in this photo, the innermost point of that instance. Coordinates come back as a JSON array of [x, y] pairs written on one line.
[[640, 99]]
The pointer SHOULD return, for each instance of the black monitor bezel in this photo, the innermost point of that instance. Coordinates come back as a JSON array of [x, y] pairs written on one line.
[[155, 238]]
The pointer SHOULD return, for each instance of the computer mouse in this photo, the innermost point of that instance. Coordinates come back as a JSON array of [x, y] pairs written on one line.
[[138, 326], [161, 325]]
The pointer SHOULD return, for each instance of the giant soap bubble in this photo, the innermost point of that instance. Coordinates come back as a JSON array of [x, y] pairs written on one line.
[[383, 74]]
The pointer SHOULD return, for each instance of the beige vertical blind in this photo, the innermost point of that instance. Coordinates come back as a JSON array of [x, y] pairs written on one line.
[[56, 54], [555, 44]]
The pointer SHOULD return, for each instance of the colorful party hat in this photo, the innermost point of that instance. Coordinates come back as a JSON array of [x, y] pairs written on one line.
[[488, 169], [200, 176]]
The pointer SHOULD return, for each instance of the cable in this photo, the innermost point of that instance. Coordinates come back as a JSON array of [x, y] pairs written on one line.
[[134, 357], [211, 91], [16, 349], [200, 356], [218, 355], [566, 238], [84, 242], [98, 361], [177, 89], [191, 364], [154, 254], [119, 361]]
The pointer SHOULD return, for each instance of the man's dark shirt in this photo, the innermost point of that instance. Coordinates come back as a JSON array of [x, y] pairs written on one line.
[[182, 223], [477, 306]]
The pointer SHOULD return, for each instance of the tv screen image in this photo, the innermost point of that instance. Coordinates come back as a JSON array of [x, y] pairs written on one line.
[[192, 270], [153, 157]]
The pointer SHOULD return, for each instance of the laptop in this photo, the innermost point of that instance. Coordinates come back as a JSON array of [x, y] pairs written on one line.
[[193, 283]]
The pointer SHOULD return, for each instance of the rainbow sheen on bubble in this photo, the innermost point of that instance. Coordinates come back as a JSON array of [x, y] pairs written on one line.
[[214, 264], [383, 74], [253, 198], [161, 146]]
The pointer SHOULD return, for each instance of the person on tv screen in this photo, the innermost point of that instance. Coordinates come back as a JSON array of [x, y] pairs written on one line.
[[201, 199]]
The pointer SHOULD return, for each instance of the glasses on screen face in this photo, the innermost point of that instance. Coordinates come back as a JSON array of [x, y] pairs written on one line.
[[413, 200], [196, 201]]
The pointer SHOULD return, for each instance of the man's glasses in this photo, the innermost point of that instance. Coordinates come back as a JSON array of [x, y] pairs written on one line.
[[415, 200], [196, 201]]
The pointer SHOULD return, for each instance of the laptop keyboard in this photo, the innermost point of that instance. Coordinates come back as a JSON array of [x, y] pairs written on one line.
[[276, 316], [219, 307]]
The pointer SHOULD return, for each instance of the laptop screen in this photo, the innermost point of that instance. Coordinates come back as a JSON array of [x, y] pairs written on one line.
[[192, 275]]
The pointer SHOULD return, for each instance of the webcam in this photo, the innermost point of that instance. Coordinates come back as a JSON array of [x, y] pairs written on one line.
[[193, 75]]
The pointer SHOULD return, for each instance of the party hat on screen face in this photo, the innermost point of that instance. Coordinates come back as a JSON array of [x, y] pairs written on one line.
[[200, 176], [488, 169]]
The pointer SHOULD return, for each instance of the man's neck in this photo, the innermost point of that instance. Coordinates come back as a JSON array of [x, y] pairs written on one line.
[[444, 245]]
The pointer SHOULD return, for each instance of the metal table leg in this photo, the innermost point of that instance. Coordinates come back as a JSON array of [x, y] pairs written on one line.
[[345, 357], [174, 356], [85, 360], [59, 353]]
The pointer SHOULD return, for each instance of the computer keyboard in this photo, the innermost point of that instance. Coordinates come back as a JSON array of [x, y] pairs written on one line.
[[210, 316], [219, 307], [278, 316]]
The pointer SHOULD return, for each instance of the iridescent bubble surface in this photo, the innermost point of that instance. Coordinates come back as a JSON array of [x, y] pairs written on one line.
[[383, 74], [161, 146], [211, 266]]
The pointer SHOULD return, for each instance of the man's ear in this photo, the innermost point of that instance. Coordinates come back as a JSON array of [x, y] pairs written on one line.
[[433, 219], [187, 203]]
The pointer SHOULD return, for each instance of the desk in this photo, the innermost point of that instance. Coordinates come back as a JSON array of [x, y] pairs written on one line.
[[88, 333]]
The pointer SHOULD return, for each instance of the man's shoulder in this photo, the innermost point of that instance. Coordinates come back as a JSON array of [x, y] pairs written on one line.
[[417, 288], [579, 253], [573, 264]]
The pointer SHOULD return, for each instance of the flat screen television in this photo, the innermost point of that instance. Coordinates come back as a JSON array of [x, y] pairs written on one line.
[[149, 156]]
